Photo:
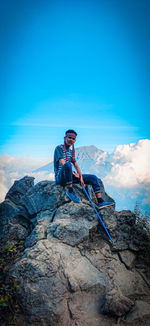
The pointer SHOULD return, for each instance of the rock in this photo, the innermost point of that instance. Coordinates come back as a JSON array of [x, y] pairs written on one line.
[[124, 231], [126, 218], [67, 270], [133, 247], [15, 232], [128, 281], [117, 275], [139, 313], [40, 223], [10, 212], [128, 258], [47, 273], [85, 310], [71, 224], [116, 303], [19, 189], [14, 222], [37, 234], [44, 195]]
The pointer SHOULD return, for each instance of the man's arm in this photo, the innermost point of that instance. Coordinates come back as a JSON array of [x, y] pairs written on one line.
[[79, 172], [77, 169], [58, 154]]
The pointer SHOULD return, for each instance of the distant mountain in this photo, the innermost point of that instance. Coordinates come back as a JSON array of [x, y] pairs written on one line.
[[90, 160], [93, 160], [47, 168]]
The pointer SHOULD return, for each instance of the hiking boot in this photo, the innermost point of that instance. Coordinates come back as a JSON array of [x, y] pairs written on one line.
[[105, 204], [73, 196]]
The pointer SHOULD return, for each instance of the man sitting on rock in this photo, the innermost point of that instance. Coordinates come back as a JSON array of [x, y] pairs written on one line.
[[64, 159]]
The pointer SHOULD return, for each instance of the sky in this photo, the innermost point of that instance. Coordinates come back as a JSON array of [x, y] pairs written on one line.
[[73, 64]]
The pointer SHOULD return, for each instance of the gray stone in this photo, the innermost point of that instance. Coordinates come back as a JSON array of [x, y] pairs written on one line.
[[39, 232], [117, 275], [44, 195], [129, 282], [11, 212], [140, 312], [133, 247], [68, 233], [46, 273], [126, 218], [85, 310], [127, 258], [68, 272], [19, 189], [14, 222], [124, 230], [116, 303], [71, 223], [15, 232]]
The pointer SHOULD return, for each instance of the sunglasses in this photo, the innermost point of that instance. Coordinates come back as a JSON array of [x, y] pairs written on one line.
[[71, 138]]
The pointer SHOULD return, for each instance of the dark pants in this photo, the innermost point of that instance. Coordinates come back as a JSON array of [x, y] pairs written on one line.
[[65, 177]]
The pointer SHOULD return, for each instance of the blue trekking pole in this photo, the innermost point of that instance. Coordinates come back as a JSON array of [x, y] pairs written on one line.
[[97, 214]]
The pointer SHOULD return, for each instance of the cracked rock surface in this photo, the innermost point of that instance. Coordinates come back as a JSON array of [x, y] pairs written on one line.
[[69, 273]]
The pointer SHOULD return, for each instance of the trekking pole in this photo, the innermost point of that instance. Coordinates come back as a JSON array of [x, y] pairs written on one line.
[[97, 214]]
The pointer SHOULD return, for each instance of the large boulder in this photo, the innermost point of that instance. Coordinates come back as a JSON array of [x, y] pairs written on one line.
[[68, 272], [19, 189]]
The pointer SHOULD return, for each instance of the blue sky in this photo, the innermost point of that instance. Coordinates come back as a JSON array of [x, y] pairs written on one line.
[[73, 64]]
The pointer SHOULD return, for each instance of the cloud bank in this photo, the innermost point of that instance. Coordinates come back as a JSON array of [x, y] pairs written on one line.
[[130, 165], [13, 168], [129, 179]]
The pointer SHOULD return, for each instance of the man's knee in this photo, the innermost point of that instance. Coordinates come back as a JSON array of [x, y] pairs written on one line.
[[94, 178], [68, 165], [95, 181]]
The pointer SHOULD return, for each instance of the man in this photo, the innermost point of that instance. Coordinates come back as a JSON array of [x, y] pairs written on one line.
[[64, 159]]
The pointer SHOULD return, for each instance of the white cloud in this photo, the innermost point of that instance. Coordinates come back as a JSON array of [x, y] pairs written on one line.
[[4, 184], [13, 168], [14, 163], [131, 165], [42, 175]]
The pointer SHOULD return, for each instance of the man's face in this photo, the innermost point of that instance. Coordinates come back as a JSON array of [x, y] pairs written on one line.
[[70, 140]]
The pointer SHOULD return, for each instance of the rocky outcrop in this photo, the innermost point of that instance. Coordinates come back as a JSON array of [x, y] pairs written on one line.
[[68, 273]]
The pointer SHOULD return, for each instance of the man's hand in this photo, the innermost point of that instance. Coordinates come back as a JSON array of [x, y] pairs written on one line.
[[75, 174], [81, 181]]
